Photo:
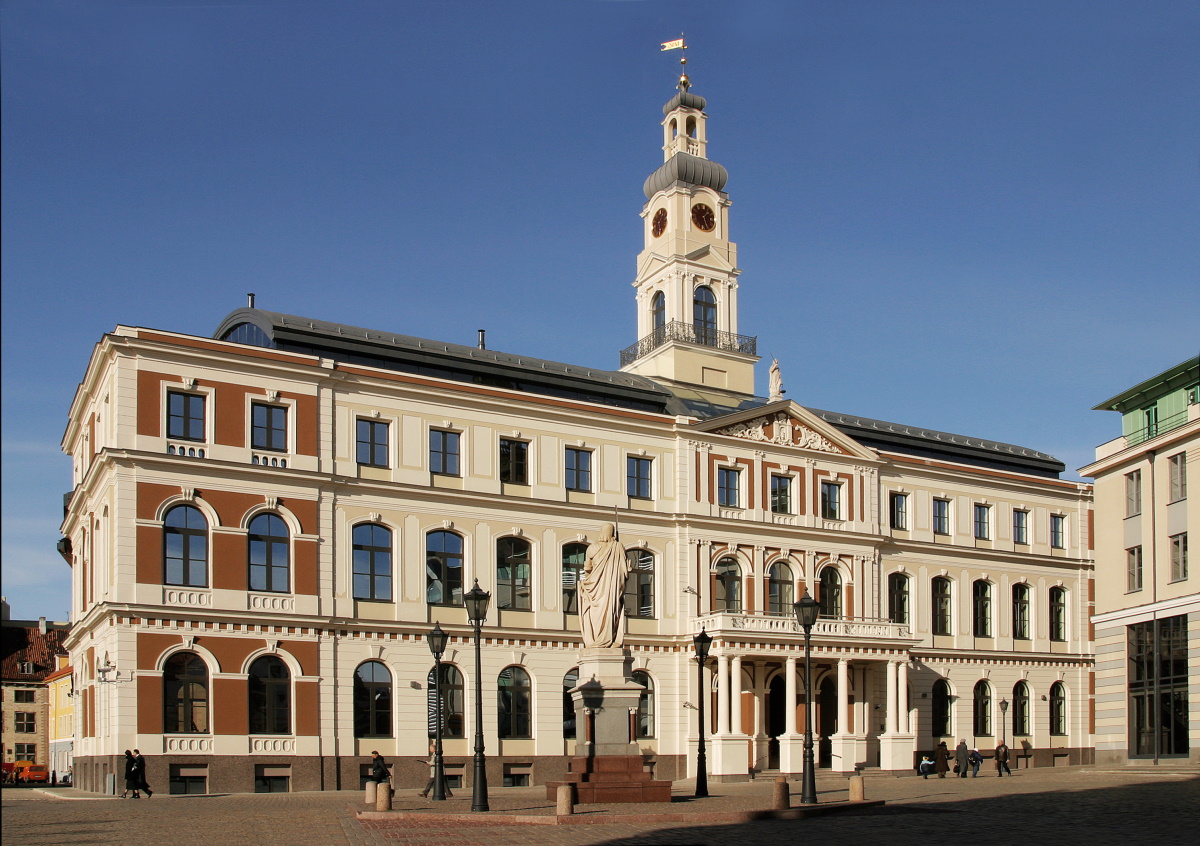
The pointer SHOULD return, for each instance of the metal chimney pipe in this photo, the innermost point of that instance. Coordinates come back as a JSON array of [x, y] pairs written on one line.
[[482, 342], [249, 301]]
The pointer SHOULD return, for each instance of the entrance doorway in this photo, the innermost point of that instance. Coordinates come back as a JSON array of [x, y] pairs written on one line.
[[776, 719], [826, 720]]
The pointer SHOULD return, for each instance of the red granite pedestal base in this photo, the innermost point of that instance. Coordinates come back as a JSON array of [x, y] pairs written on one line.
[[614, 779]]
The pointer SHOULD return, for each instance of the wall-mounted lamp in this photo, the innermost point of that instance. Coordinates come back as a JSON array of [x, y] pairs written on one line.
[[1044, 697], [691, 590], [689, 705], [104, 669]]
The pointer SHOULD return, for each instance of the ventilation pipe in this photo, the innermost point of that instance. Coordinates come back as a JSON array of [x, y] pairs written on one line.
[[482, 342], [250, 301]]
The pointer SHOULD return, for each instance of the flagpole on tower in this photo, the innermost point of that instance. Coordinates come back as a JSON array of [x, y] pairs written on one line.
[[680, 45]]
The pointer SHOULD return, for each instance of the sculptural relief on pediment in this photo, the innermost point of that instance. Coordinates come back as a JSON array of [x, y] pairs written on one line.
[[780, 429]]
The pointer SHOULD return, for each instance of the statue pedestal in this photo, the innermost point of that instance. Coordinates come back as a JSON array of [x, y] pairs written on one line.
[[607, 765]]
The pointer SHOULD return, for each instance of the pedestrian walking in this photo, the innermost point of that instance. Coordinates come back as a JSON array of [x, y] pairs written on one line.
[[380, 774], [962, 756], [141, 770], [1002, 760], [941, 759], [926, 766], [133, 783], [433, 774], [976, 758]]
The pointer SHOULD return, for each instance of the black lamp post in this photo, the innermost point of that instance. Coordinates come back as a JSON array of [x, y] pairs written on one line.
[[806, 615], [1003, 718], [476, 601], [437, 645], [702, 642]]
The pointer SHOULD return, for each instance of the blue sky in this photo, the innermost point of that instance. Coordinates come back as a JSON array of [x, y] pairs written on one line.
[[975, 217]]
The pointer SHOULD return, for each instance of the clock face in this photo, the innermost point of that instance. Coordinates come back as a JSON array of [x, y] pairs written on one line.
[[703, 217], [660, 222]]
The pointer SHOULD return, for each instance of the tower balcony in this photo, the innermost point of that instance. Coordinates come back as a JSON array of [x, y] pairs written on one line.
[[677, 330]]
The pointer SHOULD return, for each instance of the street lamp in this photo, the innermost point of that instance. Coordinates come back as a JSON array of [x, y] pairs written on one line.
[[437, 645], [806, 615], [702, 642], [476, 601], [1003, 719]]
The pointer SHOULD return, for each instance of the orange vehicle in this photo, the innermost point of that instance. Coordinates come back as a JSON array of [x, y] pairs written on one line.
[[33, 772]]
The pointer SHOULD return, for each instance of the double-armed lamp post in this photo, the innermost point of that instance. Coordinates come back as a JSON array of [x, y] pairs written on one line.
[[702, 642], [476, 602], [437, 645], [807, 610]]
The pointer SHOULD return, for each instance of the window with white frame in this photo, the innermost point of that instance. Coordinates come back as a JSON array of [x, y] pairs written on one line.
[[729, 483], [1177, 477], [983, 522], [781, 494], [1058, 531], [637, 477], [941, 516], [1133, 493], [1020, 527], [1133, 569], [268, 427], [371, 444], [1179, 557], [898, 511], [831, 501], [578, 469]]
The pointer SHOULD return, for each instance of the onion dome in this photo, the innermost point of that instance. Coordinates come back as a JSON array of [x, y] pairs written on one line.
[[686, 99], [684, 167]]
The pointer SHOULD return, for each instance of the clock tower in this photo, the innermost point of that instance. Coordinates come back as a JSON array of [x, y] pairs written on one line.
[[687, 273]]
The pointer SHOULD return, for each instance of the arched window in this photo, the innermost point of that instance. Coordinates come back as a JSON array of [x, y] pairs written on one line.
[[1020, 611], [704, 315], [185, 694], [639, 585], [1058, 708], [372, 562], [645, 711], [940, 587], [983, 709], [658, 311], [513, 589], [727, 595], [569, 681], [573, 556], [781, 590], [372, 700], [515, 716], [1020, 709], [898, 598], [674, 128], [691, 127], [941, 709], [981, 608], [270, 696], [451, 692], [1058, 613], [268, 553], [185, 547], [443, 568], [248, 333], [829, 593]]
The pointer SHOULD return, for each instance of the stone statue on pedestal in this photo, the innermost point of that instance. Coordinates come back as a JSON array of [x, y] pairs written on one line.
[[601, 592]]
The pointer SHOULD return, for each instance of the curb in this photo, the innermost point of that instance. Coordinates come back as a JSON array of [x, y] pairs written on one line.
[[602, 818]]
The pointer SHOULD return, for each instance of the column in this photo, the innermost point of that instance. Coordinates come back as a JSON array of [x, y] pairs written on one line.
[[893, 706], [789, 711], [735, 694], [722, 694], [843, 691], [902, 697]]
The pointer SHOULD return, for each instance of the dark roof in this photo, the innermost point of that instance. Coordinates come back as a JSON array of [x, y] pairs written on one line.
[[20, 644], [689, 169], [460, 363], [687, 99], [1183, 375]]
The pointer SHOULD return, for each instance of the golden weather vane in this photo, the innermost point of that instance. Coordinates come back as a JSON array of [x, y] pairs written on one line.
[[678, 44]]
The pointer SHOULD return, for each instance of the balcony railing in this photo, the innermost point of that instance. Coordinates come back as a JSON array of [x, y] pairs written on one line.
[[1157, 428], [677, 330], [825, 628]]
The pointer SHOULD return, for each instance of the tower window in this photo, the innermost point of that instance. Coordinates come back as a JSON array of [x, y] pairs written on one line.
[[658, 305], [704, 316]]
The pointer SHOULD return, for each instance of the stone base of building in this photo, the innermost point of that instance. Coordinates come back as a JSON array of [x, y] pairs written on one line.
[[612, 779]]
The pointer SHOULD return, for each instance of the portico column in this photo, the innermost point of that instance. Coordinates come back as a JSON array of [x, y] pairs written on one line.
[[843, 691], [735, 694], [722, 694], [902, 696], [789, 687], [893, 707]]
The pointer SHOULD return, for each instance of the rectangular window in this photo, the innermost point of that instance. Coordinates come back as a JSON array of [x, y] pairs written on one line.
[[1158, 682], [781, 495], [185, 416], [24, 722], [637, 477], [1177, 471], [1058, 531], [514, 462], [729, 482], [898, 511], [1133, 493], [1179, 563], [579, 469], [372, 447], [941, 516], [23, 695], [1021, 527], [268, 427], [1133, 568], [26, 751], [831, 501], [983, 522], [443, 452]]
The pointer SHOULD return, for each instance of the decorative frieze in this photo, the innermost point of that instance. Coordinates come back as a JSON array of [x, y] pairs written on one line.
[[782, 429]]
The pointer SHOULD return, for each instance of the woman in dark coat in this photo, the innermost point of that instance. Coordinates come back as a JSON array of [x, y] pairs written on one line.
[[941, 760], [133, 780]]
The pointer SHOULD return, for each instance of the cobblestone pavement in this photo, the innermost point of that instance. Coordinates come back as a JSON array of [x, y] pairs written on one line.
[[1066, 806]]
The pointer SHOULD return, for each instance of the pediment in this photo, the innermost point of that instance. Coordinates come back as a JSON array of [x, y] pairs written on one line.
[[790, 425], [710, 257]]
